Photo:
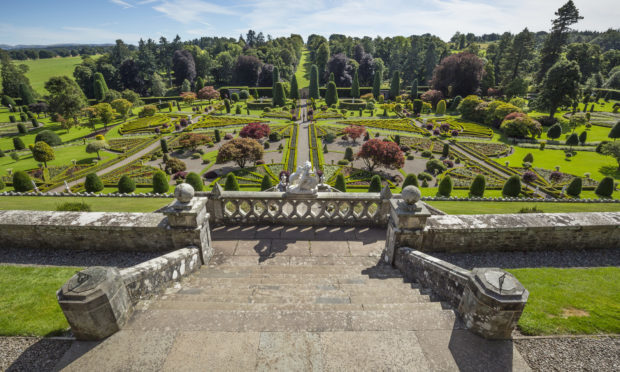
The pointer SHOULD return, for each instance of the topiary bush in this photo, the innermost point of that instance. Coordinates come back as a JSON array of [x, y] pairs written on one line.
[[423, 176], [574, 187], [341, 183], [605, 188], [512, 187], [21, 128], [2, 185], [174, 165], [446, 150], [49, 137], [266, 183], [410, 180], [160, 183], [18, 144], [195, 181], [477, 187], [274, 136], [445, 186], [93, 183], [22, 181], [343, 162], [375, 184], [73, 207], [435, 166], [348, 154], [231, 183], [529, 158], [126, 185]]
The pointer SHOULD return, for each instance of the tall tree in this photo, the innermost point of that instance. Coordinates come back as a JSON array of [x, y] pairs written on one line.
[[322, 57], [275, 78], [376, 85], [246, 70], [488, 78], [66, 97], [314, 82], [461, 71], [294, 94], [430, 61], [566, 16], [12, 76], [559, 87], [120, 52], [414, 89], [355, 86], [395, 85], [331, 96], [520, 52], [183, 66]]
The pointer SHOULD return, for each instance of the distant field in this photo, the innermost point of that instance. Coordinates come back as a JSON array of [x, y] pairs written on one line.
[[303, 70], [42, 69]]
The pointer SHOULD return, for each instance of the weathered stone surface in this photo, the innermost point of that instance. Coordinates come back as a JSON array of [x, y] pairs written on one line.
[[95, 303]]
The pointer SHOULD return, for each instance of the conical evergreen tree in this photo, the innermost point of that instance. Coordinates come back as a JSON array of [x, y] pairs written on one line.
[[331, 96], [395, 85], [314, 82], [294, 88], [355, 86], [376, 85], [414, 90]]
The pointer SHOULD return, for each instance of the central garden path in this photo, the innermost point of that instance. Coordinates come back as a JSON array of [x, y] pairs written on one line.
[[303, 137], [294, 299]]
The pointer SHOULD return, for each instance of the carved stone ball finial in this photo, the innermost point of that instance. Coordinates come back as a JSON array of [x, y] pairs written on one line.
[[411, 195], [184, 193]]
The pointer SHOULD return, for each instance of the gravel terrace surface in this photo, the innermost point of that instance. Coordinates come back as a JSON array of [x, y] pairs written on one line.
[[31, 353], [80, 258], [571, 354], [514, 260]]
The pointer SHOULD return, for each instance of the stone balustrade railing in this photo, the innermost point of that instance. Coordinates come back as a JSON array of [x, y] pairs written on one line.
[[324, 208]]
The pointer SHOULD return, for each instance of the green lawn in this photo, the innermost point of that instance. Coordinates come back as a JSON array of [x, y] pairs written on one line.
[[101, 204], [28, 304], [570, 301], [303, 70], [461, 207], [594, 163], [40, 70]]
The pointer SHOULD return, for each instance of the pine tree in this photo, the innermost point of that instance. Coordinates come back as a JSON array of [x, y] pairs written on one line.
[[376, 85], [200, 83], [395, 85], [314, 83], [375, 184], [294, 89], [98, 90], [279, 99], [331, 96], [414, 90], [340, 183], [477, 187], [574, 187], [355, 86], [231, 183], [266, 183]]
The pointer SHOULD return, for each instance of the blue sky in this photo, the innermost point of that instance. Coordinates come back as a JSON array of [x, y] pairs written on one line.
[[103, 21]]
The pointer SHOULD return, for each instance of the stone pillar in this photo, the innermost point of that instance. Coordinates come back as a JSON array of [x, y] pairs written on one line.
[[189, 221], [95, 302], [406, 223], [492, 303]]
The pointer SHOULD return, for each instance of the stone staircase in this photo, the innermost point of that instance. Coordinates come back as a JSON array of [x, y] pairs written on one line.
[[276, 303]]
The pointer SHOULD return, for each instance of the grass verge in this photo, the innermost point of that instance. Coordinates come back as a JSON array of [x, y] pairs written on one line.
[[570, 301], [28, 305], [101, 204], [460, 207]]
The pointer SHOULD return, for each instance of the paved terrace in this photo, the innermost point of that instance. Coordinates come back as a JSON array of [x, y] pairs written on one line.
[[294, 298]]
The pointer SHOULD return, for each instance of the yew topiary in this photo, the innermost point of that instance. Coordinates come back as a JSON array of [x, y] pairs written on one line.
[[605, 188], [93, 183], [410, 180], [195, 181], [477, 187], [574, 187], [231, 183], [512, 187], [126, 185], [341, 183], [160, 183], [445, 186], [22, 181], [266, 183], [375, 184]]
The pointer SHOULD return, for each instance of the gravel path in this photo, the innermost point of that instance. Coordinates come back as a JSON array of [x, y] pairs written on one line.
[[68, 257], [571, 354], [31, 353], [513, 260]]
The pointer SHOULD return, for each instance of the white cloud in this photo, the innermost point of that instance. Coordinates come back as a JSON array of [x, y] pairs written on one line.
[[122, 3], [11, 34], [190, 11]]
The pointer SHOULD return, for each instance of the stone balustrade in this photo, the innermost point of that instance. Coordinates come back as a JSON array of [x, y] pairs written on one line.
[[325, 209]]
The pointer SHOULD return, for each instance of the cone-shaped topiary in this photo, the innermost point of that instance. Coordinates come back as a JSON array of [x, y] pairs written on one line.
[[441, 108], [605, 188], [414, 90], [314, 82], [18, 144], [164, 145], [574, 187], [529, 158], [355, 86], [583, 137], [22, 181], [555, 131], [331, 96], [160, 183], [294, 94], [348, 154], [49, 137], [477, 187], [341, 183], [266, 183], [445, 186], [126, 185], [395, 85], [445, 152], [195, 181], [93, 183], [411, 180], [279, 97], [615, 131], [376, 84], [231, 183], [512, 187], [218, 135], [375, 184]]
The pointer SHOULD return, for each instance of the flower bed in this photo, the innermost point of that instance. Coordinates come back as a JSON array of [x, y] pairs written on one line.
[[462, 177], [352, 104], [210, 121], [564, 178], [422, 144], [488, 149], [327, 115], [259, 104], [404, 125], [165, 124], [277, 115], [464, 128], [126, 144]]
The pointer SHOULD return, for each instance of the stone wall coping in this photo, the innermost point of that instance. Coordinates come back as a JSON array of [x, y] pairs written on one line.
[[462, 275], [103, 220], [274, 195], [522, 222]]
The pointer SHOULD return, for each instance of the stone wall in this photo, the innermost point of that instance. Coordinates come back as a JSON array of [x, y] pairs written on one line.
[[446, 280], [86, 230], [521, 232], [153, 276]]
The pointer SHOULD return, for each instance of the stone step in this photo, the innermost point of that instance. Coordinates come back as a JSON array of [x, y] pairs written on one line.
[[314, 269], [342, 274], [300, 284], [292, 321], [176, 304], [218, 260], [294, 291], [324, 298]]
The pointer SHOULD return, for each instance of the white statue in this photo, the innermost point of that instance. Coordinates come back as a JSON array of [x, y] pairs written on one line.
[[303, 181]]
